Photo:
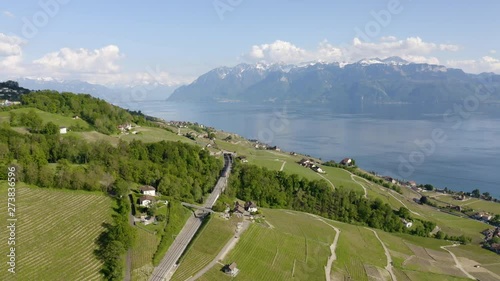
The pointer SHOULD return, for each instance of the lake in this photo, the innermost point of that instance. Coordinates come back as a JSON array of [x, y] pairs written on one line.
[[455, 146]]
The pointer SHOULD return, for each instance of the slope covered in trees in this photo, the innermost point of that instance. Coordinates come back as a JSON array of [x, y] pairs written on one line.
[[280, 190], [104, 117]]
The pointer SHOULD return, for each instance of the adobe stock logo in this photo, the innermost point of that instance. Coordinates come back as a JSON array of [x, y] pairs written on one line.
[[41, 18], [223, 6], [381, 18]]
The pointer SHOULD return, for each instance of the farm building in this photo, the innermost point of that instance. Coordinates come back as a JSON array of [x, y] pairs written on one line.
[[231, 269], [251, 207], [146, 200], [148, 190], [346, 162], [63, 130], [238, 209]]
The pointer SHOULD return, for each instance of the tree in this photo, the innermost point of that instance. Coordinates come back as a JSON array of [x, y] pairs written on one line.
[[476, 193], [429, 187], [121, 188], [487, 195], [152, 209], [424, 200], [440, 235], [404, 213], [50, 129]]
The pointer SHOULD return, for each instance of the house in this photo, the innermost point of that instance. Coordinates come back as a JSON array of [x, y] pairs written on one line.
[[76, 117], [251, 207], [317, 169], [231, 269], [482, 216], [305, 162], [346, 162], [125, 127], [238, 209], [412, 184], [389, 179], [146, 200], [275, 148], [63, 130], [148, 190]]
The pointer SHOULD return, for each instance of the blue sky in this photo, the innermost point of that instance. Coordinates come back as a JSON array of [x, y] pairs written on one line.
[[113, 42]]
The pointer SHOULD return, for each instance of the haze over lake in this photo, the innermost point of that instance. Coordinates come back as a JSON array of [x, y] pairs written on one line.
[[425, 144]]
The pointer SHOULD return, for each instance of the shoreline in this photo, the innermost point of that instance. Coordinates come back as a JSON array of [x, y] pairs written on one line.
[[420, 178]]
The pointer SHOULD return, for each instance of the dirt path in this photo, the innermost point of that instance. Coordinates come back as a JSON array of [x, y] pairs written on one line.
[[413, 212], [457, 262], [283, 166], [333, 256], [333, 186], [388, 267], [223, 252], [364, 188]]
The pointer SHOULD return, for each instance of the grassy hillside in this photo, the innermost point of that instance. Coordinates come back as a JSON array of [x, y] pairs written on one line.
[[291, 247], [55, 234], [295, 246], [47, 117]]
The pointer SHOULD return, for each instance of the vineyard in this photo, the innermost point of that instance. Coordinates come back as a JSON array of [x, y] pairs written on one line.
[[142, 254], [205, 247], [295, 246], [55, 233]]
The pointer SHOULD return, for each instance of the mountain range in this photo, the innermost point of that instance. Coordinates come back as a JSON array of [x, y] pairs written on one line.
[[368, 81], [117, 94]]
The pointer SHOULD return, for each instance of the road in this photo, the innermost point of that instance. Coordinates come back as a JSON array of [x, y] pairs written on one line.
[[388, 267], [163, 270]]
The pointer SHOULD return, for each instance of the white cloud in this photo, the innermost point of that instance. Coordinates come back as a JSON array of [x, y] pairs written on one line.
[[280, 51], [413, 49], [10, 54], [493, 52], [8, 14], [448, 47], [10, 45], [103, 60], [484, 64]]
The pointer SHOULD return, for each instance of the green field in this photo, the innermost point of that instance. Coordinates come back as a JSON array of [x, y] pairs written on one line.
[[142, 254], [295, 247], [205, 247], [47, 117], [473, 203], [149, 134], [55, 233]]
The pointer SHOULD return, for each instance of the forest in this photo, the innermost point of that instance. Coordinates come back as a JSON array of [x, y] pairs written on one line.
[[276, 189], [102, 116]]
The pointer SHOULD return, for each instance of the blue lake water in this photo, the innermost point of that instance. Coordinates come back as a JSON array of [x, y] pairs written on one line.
[[444, 146]]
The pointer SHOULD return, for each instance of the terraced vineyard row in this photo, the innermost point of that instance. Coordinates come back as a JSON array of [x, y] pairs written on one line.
[[56, 233], [142, 253]]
